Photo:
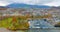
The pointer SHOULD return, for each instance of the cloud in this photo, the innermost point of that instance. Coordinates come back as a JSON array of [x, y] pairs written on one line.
[[54, 3], [3, 3], [32, 2], [36, 2]]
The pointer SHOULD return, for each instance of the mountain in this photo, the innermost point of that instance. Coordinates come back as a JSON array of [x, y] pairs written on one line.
[[2, 6], [20, 5], [56, 7]]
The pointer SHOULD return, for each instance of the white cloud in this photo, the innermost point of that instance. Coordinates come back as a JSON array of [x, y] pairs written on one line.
[[3, 3], [33, 2], [54, 3]]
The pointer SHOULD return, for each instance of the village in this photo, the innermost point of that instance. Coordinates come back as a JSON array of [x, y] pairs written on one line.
[[34, 18]]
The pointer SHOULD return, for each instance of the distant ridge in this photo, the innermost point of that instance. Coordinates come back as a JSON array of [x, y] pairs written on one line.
[[20, 5], [3, 7]]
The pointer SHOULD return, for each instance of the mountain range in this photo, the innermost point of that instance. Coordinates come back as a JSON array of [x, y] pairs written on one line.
[[21, 5]]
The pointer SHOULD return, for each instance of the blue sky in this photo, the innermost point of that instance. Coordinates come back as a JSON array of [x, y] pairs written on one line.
[[31, 2]]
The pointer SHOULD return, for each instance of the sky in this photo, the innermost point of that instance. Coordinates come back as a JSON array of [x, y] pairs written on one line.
[[31, 2]]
